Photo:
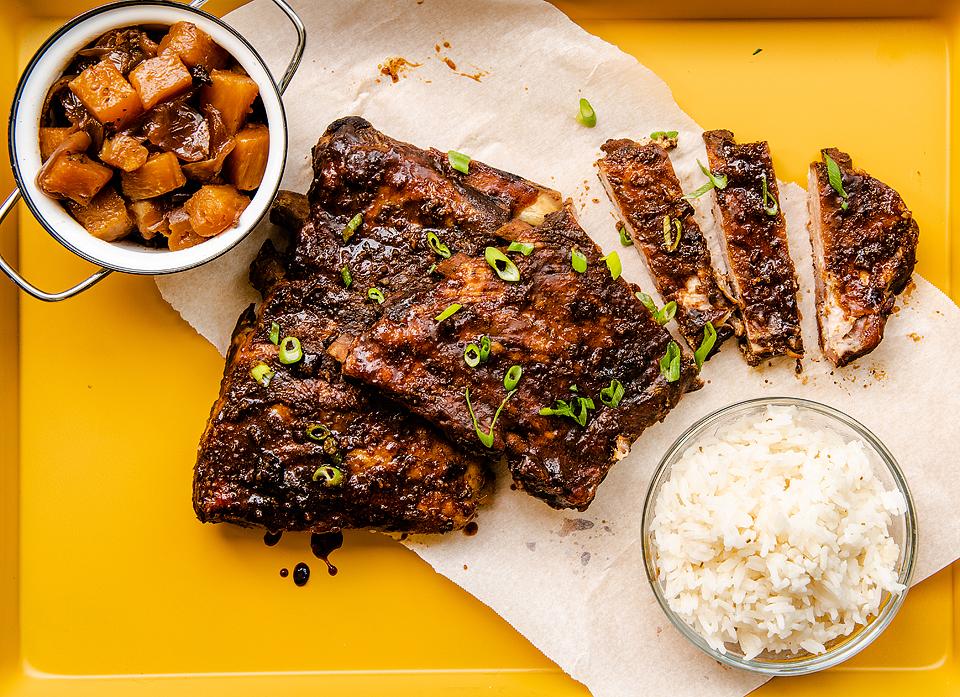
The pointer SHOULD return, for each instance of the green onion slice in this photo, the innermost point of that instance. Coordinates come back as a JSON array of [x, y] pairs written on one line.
[[345, 275], [578, 261], [647, 302], [625, 238], [261, 373], [670, 363], [522, 247], [512, 378], [672, 233], [317, 432], [328, 475], [376, 295], [613, 264], [714, 181], [660, 315], [770, 205], [586, 116], [502, 264], [471, 355], [450, 311], [352, 226], [274, 333], [697, 193], [577, 409], [433, 267], [611, 396], [486, 437], [836, 179], [459, 161], [709, 339], [290, 350], [437, 246], [664, 135], [573, 387], [484, 348]]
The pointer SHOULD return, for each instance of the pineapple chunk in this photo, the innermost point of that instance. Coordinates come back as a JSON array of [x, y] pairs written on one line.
[[160, 175], [194, 46], [50, 140], [158, 79], [231, 94], [181, 232], [149, 219], [106, 216], [124, 152], [69, 173], [214, 208], [248, 161], [106, 94]]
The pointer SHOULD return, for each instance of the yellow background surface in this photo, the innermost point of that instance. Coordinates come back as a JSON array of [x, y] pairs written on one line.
[[109, 586]]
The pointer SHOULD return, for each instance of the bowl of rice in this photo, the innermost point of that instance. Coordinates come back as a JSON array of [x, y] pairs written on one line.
[[779, 536]]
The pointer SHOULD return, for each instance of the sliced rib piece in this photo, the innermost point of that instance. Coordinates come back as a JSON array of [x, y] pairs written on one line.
[[640, 181], [571, 334], [761, 272], [863, 255]]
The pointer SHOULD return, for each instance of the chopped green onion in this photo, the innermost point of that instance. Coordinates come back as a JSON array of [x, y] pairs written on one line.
[[586, 116], [670, 363], [578, 261], [836, 179], [502, 264], [274, 333], [771, 208], [522, 247], [664, 135], [577, 409], [345, 275], [512, 378], [459, 161], [317, 432], [573, 387], [613, 264], [290, 350], [661, 315], [433, 267], [709, 339], [670, 240], [647, 302], [697, 193], [450, 311], [471, 355], [261, 373], [625, 238], [376, 295], [486, 437], [437, 246], [352, 226], [484, 348], [611, 396], [715, 181], [328, 475]]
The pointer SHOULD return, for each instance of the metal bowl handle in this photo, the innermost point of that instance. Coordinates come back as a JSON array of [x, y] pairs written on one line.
[[28, 287]]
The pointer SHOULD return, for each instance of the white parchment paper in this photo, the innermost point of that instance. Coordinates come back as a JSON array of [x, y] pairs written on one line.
[[574, 583]]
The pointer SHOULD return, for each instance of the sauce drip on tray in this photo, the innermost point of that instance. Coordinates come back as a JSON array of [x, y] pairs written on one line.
[[323, 545]]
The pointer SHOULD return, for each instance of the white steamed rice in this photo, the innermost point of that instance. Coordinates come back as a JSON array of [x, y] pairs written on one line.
[[774, 534]]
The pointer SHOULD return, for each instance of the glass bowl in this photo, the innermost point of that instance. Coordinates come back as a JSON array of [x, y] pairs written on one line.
[[903, 530]]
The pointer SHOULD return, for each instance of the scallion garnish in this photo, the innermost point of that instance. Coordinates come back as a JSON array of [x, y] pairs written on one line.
[[290, 350], [670, 363], [459, 161], [578, 261], [836, 179], [433, 267], [672, 233], [573, 387], [274, 333], [261, 373], [502, 264], [770, 205], [577, 409], [317, 432], [611, 396], [522, 247], [471, 355], [613, 264], [625, 238], [376, 295], [328, 475], [450, 311], [512, 378], [484, 348], [660, 315], [586, 116], [663, 135], [486, 437], [709, 339], [352, 226], [714, 181], [345, 275], [437, 246]]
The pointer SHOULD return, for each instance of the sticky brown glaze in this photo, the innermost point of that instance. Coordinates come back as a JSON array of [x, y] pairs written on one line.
[[563, 328], [761, 271], [863, 256], [641, 183]]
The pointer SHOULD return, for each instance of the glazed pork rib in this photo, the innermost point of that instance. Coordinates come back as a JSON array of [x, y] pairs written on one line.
[[589, 353], [864, 241], [761, 272], [641, 183]]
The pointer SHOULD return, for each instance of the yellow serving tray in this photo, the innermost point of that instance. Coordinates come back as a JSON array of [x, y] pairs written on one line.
[[109, 586]]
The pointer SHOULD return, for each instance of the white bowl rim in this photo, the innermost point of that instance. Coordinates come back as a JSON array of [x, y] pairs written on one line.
[[24, 123]]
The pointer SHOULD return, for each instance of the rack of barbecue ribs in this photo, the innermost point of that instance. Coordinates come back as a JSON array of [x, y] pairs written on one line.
[[864, 241], [761, 273]]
